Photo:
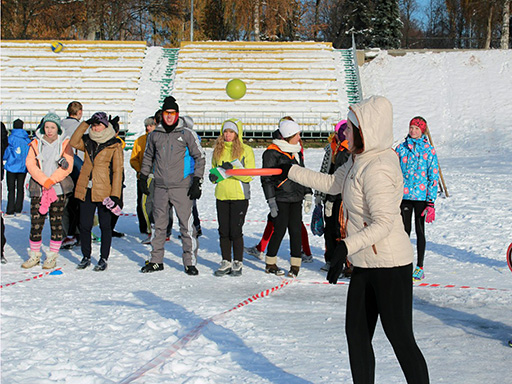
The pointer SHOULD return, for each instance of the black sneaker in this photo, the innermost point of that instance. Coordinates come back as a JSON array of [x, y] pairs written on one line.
[[86, 261], [102, 265], [191, 270], [152, 267], [117, 234]]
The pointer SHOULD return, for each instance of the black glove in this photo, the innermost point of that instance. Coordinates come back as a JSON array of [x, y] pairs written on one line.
[[194, 191], [337, 261], [63, 163], [117, 201], [143, 184], [115, 122], [213, 178], [285, 168], [226, 165]]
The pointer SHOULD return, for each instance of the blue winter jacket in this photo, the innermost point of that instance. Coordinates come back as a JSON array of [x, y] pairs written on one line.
[[16, 153], [420, 169]]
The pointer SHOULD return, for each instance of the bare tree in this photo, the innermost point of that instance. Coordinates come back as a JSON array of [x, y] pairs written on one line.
[[505, 28]]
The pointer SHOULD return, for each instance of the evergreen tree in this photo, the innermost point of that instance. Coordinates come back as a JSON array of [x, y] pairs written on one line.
[[356, 19], [387, 26]]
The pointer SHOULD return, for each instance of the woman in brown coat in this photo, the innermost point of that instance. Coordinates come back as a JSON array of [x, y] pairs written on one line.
[[100, 181]]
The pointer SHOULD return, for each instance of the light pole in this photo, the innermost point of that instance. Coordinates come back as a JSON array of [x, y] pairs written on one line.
[[191, 20]]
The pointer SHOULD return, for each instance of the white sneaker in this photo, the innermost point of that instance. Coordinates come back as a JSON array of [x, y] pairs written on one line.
[[326, 267], [237, 268], [35, 258], [253, 251], [306, 258], [51, 260], [224, 269]]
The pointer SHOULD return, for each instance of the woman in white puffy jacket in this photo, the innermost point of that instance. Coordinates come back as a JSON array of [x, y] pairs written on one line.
[[371, 184]]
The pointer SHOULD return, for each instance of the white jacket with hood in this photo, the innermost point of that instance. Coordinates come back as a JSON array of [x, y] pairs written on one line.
[[371, 184]]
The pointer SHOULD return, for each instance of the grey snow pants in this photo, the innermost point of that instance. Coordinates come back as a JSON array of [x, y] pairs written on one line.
[[183, 206]]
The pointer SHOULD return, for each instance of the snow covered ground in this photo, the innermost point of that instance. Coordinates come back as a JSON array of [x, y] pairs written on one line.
[[167, 327]]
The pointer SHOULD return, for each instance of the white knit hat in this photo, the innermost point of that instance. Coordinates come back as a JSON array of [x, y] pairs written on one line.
[[288, 128]]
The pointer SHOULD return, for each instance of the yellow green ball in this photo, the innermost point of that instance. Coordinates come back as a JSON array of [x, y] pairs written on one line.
[[236, 89]]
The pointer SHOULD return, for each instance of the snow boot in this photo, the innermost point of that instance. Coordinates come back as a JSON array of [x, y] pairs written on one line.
[[101, 266], [152, 267], [224, 269], [4, 260], [86, 261], [51, 260], [294, 271], [35, 258], [237, 268], [191, 270], [271, 266]]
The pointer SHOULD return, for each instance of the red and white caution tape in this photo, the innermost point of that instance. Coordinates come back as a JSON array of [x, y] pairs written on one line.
[[415, 284], [195, 332], [41, 275]]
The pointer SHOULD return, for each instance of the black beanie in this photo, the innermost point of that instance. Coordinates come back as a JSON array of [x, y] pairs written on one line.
[[17, 124], [170, 103]]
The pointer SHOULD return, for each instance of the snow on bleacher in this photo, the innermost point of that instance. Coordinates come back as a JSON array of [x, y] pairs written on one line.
[[102, 75], [301, 79]]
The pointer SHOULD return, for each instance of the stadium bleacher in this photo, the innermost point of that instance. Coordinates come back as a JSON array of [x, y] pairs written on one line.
[[306, 80], [102, 75], [302, 79]]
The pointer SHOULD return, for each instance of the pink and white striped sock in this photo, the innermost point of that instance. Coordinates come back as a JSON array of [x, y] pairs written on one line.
[[55, 246], [35, 245]]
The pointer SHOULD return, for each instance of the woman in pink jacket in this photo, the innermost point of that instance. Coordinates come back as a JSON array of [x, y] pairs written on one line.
[[49, 162], [376, 244]]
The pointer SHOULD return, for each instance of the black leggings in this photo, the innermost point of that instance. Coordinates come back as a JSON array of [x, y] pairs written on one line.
[[384, 292], [289, 217], [231, 217], [407, 207], [87, 210]]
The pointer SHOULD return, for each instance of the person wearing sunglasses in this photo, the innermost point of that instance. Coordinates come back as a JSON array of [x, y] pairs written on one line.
[[168, 153]]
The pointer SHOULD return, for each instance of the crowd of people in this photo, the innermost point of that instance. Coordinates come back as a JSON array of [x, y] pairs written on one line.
[[77, 173], [366, 194]]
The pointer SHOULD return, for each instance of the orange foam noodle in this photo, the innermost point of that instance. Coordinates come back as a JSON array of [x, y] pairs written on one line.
[[254, 172]]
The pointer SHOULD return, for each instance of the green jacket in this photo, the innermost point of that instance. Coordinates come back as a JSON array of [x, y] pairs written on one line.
[[235, 187]]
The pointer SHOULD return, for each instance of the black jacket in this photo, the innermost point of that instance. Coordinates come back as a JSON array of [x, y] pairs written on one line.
[[273, 186]]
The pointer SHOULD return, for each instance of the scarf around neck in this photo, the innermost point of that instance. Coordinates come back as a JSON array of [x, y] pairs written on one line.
[[287, 147], [103, 136]]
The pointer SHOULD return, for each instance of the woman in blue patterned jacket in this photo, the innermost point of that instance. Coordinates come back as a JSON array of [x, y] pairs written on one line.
[[418, 161]]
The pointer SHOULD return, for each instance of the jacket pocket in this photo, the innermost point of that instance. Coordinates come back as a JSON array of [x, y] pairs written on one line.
[[373, 245]]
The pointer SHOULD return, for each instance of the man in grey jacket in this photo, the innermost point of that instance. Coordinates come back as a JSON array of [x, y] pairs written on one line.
[[175, 156]]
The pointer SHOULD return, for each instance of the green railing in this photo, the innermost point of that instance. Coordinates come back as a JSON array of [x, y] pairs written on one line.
[[167, 80], [352, 79]]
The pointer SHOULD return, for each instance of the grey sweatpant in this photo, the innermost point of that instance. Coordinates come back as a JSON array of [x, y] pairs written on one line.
[[183, 206]]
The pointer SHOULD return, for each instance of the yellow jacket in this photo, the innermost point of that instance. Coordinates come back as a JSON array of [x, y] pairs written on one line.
[[138, 153]]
